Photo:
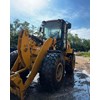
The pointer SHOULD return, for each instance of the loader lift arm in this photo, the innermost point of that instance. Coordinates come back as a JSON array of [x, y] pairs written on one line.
[[26, 62]]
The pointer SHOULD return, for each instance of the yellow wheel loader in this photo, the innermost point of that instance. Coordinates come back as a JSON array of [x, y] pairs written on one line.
[[51, 57]]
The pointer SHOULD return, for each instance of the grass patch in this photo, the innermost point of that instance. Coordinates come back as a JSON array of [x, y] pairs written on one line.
[[85, 54]]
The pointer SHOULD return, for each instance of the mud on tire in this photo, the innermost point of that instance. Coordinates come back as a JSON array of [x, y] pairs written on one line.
[[52, 72], [69, 67]]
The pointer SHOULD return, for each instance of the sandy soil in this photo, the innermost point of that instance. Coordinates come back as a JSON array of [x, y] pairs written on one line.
[[83, 64]]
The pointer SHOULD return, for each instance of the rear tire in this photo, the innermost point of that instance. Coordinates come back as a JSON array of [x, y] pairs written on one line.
[[52, 72], [13, 57], [71, 65]]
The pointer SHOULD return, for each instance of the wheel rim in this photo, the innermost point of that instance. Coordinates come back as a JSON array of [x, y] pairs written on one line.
[[59, 72]]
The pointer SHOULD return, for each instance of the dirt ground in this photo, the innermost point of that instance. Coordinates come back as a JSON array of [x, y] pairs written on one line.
[[75, 87], [83, 64]]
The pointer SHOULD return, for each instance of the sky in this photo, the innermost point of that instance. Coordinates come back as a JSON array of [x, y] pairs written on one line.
[[77, 12]]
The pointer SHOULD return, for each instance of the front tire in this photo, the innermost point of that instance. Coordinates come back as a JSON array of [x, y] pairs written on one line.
[[52, 71]]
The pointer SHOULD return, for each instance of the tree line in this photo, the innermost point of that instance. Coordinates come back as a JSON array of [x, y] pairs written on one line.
[[77, 43]]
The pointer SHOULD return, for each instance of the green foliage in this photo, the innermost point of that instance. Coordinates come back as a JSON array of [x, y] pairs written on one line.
[[15, 27], [14, 33], [77, 43], [85, 54]]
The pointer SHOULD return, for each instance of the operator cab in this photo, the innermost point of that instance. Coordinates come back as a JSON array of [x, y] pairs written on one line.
[[56, 29], [51, 29]]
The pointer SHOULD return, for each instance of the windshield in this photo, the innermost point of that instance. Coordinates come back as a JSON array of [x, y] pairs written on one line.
[[52, 29]]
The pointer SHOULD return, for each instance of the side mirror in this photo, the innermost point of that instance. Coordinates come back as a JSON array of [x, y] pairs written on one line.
[[68, 25]]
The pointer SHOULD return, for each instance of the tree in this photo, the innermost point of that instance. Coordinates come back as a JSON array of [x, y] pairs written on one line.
[[77, 43], [15, 27]]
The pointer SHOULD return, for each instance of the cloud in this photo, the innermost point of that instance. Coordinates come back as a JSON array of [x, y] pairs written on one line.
[[39, 10], [50, 13], [82, 32], [29, 6]]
